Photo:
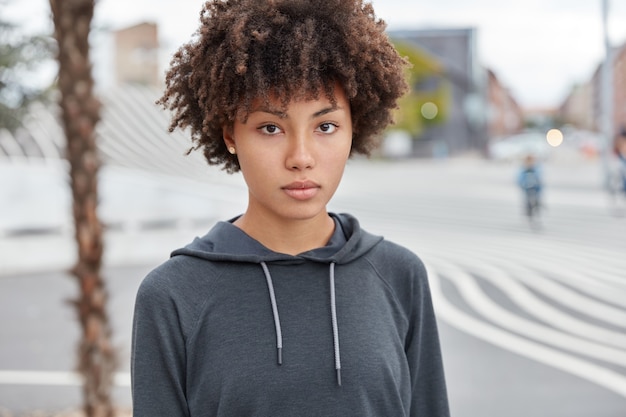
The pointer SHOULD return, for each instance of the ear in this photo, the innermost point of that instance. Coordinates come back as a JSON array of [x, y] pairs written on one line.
[[227, 135]]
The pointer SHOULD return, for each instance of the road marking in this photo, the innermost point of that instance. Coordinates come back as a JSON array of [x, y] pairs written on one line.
[[495, 272], [492, 312], [53, 378], [566, 283], [603, 377]]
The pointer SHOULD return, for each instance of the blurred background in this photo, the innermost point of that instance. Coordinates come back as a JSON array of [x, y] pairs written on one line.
[[532, 313]]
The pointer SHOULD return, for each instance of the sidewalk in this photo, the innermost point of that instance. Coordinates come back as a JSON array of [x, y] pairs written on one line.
[[147, 215]]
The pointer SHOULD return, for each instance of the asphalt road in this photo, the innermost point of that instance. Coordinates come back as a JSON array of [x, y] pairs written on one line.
[[532, 321]]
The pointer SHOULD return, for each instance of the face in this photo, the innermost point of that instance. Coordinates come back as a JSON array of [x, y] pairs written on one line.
[[293, 160]]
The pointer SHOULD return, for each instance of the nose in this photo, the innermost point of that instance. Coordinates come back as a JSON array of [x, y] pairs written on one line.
[[300, 155]]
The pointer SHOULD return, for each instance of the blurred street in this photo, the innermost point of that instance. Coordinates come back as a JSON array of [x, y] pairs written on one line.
[[532, 320]]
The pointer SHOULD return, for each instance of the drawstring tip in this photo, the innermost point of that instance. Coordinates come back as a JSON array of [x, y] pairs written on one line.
[[280, 355], [338, 377]]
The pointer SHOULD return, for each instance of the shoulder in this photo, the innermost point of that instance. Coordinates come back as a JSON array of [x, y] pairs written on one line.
[[396, 255], [403, 272], [179, 280], [171, 272], [398, 265], [176, 292]]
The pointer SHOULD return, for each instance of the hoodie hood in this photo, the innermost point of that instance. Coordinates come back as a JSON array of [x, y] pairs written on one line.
[[227, 243]]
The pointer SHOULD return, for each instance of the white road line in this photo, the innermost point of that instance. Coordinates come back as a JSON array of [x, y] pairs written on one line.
[[568, 274], [527, 301], [603, 377], [52, 378], [572, 299], [473, 294], [590, 272]]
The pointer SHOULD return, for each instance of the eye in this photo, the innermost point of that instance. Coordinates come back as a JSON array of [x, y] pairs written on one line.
[[327, 127], [270, 129]]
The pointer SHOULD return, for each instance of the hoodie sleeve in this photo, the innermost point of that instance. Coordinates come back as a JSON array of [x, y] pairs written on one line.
[[406, 274], [423, 352], [158, 352]]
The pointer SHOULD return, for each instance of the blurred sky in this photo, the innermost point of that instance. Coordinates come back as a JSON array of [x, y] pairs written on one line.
[[537, 48]]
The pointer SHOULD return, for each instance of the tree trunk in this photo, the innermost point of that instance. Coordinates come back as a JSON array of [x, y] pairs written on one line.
[[80, 113]]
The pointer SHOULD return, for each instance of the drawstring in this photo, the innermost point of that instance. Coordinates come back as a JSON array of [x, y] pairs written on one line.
[[279, 332], [333, 317]]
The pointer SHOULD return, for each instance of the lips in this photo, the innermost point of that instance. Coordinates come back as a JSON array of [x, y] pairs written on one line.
[[301, 190]]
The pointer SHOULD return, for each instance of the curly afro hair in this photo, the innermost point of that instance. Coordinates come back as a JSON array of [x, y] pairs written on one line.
[[247, 50]]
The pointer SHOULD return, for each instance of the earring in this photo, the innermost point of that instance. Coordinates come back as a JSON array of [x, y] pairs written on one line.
[[232, 150]]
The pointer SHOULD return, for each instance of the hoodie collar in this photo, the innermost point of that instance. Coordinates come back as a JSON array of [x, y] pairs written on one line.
[[227, 242]]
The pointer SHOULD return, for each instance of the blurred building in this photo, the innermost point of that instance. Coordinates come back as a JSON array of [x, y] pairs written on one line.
[[480, 106], [577, 108], [504, 115], [136, 51], [583, 108]]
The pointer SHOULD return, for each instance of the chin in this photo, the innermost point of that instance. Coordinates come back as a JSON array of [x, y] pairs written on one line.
[[301, 214]]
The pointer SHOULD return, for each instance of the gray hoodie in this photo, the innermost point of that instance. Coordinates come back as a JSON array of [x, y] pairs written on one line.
[[229, 328]]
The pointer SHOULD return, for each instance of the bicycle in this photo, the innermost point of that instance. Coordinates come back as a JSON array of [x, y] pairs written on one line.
[[532, 205]]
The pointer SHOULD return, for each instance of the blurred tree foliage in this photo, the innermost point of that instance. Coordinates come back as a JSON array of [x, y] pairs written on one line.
[[20, 56], [428, 84]]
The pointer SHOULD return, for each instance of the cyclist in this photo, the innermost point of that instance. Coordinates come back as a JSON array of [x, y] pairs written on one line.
[[529, 179]]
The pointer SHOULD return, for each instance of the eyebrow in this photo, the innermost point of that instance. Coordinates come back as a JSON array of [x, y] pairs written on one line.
[[326, 111], [283, 115]]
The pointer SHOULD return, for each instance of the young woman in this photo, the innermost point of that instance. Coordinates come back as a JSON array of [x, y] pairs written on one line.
[[286, 309]]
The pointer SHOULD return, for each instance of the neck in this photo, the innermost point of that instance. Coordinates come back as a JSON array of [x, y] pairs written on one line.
[[291, 237]]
